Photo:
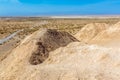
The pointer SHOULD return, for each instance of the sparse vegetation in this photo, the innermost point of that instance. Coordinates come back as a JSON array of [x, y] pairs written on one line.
[[30, 25]]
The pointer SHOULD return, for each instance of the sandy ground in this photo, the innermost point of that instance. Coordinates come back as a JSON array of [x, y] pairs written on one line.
[[96, 56], [7, 48]]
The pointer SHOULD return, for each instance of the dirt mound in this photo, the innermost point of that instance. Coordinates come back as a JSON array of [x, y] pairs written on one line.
[[33, 50], [76, 61], [87, 62], [110, 36], [49, 41], [100, 34], [90, 31], [64, 59]]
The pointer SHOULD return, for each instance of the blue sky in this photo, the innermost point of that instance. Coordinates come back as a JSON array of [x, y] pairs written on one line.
[[59, 7]]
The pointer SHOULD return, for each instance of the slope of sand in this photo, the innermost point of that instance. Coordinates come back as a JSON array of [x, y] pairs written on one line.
[[32, 51], [90, 31], [100, 34], [74, 62], [109, 37], [65, 59]]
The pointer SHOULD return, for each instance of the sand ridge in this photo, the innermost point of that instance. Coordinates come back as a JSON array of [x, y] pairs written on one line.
[[76, 60]]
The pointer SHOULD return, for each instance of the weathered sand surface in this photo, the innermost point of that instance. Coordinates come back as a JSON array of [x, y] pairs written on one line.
[[100, 34], [109, 37], [90, 31], [70, 60]]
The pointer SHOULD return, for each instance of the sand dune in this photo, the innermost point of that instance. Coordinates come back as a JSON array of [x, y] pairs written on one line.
[[109, 37], [100, 34], [60, 56], [90, 31]]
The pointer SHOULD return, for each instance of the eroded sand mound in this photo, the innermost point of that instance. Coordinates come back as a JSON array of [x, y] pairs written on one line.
[[110, 36], [49, 41], [62, 57], [76, 61], [100, 34], [33, 50], [90, 31]]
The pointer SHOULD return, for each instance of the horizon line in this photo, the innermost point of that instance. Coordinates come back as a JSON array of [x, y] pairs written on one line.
[[79, 16]]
